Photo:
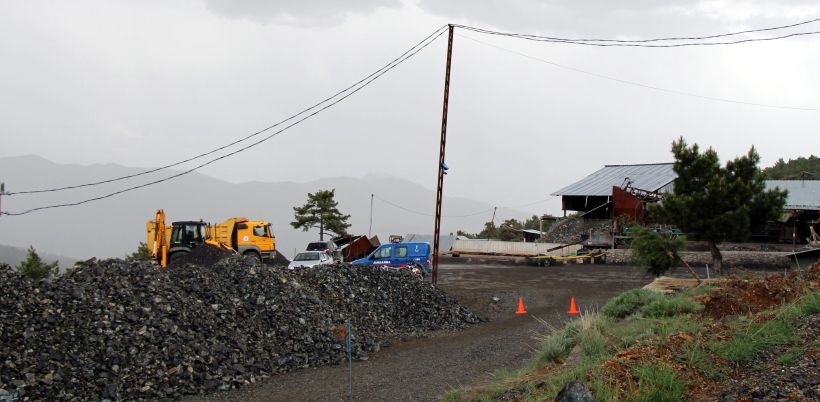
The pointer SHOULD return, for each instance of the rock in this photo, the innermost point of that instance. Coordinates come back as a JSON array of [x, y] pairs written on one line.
[[574, 391], [114, 330]]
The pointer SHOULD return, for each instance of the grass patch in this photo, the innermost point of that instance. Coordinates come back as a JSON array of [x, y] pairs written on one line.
[[454, 395], [699, 357], [670, 307], [750, 337], [658, 383], [593, 346], [629, 303], [790, 356]]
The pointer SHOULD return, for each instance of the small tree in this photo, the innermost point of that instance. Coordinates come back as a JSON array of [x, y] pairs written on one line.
[[320, 211], [719, 203], [33, 267], [657, 252], [141, 254]]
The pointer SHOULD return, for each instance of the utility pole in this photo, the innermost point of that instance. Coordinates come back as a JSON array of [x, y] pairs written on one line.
[[371, 217], [2, 192], [439, 188]]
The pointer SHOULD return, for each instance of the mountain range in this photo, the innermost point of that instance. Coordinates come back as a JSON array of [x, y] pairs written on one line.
[[113, 226]]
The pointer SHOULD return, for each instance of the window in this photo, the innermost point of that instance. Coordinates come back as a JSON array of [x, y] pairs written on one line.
[[383, 252], [260, 231], [401, 251]]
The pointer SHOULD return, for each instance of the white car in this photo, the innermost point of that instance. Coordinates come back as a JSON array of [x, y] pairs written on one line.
[[307, 259]]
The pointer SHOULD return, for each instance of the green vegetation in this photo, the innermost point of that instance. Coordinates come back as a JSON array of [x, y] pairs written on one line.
[[629, 303], [34, 268], [658, 383], [719, 203], [509, 230], [320, 211], [670, 349], [670, 307], [141, 254], [795, 169], [658, 252]]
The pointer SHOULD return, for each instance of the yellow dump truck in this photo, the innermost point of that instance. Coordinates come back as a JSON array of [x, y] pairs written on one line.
[[169, 244]]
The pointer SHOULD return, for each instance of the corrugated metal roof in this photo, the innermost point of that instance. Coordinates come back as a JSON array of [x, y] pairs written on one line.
[[803, 194], [651, 177]]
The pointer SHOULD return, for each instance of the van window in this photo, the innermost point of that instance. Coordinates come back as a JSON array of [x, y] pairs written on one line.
[[401, 251], [383, 252]]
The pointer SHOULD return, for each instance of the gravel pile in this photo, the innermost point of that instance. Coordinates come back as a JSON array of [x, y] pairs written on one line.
[[114, 330], [569, 230], [769, 378]]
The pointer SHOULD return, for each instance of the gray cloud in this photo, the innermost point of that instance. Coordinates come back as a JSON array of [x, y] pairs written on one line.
[[321, 12], [603, 18]]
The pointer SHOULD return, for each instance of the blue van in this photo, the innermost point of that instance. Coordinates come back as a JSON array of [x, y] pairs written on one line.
[[399, 256]]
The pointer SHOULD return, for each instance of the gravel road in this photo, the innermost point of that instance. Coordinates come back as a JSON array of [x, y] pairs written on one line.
[[423, 369]]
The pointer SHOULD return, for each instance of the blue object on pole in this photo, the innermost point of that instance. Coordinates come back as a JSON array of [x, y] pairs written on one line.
[[444, 167]]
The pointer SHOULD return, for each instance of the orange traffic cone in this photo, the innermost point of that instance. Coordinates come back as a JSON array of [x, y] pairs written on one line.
[[573, 310], [521, 306]]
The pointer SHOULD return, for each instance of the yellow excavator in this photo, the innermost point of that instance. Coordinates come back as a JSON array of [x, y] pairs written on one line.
[[170, 244]]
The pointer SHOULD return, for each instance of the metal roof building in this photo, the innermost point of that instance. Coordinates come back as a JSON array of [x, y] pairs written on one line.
[[593, 194], [803, 194]]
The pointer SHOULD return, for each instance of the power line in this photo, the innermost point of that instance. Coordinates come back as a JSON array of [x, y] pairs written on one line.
[[638, 84], [696, 37], [426, 214], [407, 55], [389, 66], [395, 205], [646, 42]]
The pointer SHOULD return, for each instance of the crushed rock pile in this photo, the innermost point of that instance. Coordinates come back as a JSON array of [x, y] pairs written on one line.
[[569, 230], [115, 330]]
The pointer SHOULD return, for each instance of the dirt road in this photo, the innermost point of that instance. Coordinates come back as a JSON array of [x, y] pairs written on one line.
[[423, 369]]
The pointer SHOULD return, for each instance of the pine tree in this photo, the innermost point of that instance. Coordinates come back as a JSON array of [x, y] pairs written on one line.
[[718, 203], [34, 268], [320, 211]]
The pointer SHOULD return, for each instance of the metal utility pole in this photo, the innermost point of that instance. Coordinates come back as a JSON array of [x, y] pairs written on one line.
[[439, 188], [2, 192], [370, 229]]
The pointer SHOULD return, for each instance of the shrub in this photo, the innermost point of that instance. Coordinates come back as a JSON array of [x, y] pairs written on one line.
[[629, 302], [34, 268], [670, 307]]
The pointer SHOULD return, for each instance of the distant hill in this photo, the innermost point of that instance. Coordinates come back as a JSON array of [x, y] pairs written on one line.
[[114, 227], [795, 169], [15, 255]]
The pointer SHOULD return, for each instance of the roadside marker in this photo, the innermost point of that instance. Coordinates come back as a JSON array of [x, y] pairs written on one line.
[[521, 309]]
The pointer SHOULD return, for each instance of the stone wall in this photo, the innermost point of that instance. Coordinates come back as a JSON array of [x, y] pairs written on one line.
[[731, 259]]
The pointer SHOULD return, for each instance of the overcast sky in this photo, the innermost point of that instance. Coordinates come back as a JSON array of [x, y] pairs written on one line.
[[148, 83]]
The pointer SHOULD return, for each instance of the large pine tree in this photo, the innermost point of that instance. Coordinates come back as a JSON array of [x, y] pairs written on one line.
[[718, 203], [321, 211]]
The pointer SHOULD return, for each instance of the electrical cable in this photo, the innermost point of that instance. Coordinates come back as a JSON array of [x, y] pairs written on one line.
[[639, 43], [638, 84], [456, 216], [430, 39], [426, 214], [386, 67]]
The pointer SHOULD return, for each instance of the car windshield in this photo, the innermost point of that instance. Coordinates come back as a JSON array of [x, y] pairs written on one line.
[[316, 246], [306, 257]]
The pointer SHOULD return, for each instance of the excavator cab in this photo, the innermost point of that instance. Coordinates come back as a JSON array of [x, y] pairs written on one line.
[[188, 234]]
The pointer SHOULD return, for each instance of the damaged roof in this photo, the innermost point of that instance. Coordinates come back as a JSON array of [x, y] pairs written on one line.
[[650, 177]]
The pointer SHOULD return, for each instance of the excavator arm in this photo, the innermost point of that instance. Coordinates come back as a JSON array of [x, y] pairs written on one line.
[[157, 239]]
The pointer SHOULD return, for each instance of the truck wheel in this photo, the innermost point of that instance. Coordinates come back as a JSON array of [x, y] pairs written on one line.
[[253, 255]]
